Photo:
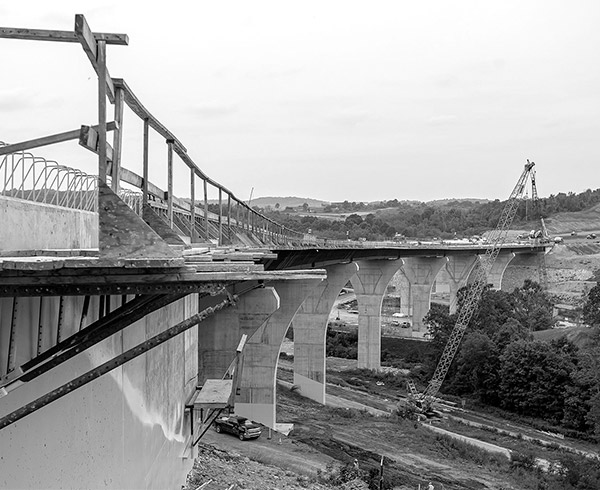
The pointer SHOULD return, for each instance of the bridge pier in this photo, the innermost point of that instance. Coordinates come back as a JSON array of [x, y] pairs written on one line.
[[405, 294], [370, 284], [219, 335], [421, 273], [459, 267], [310, 327], [256, 399]]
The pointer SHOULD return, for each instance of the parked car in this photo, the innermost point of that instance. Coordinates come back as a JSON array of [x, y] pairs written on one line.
[[239, 426], [591, 236]]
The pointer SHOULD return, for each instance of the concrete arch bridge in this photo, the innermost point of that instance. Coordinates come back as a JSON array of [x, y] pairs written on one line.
[[129, 316]]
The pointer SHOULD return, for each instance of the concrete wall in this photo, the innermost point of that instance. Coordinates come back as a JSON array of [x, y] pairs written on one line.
[[125, 429], [27, 225]]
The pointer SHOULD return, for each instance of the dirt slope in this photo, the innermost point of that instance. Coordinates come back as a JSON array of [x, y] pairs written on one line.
[[582, 222]]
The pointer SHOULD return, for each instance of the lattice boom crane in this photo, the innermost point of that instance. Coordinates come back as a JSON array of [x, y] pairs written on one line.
[[496, 238]]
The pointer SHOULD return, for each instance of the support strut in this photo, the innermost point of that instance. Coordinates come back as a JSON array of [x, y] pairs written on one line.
[[113, 363]]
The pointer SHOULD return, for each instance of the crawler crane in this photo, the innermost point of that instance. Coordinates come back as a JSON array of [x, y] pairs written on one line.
[[497, 238]]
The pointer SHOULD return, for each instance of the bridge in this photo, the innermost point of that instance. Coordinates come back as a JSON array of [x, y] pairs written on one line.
[[130, 317]]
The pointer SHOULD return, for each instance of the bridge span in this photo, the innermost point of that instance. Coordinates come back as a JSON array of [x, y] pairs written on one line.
[[129, 317]]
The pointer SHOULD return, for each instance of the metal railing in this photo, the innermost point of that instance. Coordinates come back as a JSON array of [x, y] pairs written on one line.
[[33, 178]]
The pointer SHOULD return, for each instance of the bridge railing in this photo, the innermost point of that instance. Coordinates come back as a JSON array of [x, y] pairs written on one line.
[[233, 220], [34, 178]]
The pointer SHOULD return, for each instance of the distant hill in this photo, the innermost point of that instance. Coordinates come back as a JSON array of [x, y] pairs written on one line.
[[289, 201], [578, 221], [466, 202]]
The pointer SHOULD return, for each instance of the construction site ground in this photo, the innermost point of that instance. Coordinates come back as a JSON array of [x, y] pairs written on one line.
[[360, 424]]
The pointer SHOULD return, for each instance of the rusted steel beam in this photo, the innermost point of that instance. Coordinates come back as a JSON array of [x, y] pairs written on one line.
[[113, 363]]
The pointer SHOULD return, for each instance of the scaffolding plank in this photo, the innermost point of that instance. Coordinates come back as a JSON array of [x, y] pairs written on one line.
[[214, 394]]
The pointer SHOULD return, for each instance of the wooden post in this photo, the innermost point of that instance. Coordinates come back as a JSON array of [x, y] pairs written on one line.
[[207, 235], [193, 203], [229, 216], [117, 140], [101, 58], [237, 215], [170, 182], [220, 216], [145, 163]]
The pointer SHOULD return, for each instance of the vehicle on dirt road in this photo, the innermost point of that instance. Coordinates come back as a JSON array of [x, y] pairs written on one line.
[[239, 426]]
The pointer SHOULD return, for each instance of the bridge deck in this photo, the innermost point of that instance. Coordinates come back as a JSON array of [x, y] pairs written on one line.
[[80, 272]]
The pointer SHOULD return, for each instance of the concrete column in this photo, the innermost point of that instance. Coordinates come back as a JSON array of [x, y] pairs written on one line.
[[405, 294], [310, 327], [256, 399], [421, 272], [458, 269], [370, 283], [220, 334], [499, 266]]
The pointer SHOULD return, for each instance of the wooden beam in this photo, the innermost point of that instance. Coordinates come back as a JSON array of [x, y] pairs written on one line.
[[170, 182], [49, 140], [117, 142], [89, 138], [138, 181], [137, 107], [90, 47], [101, 59], [220, 217], [207, 234], [60, 36], [193, 205], [145, 163]]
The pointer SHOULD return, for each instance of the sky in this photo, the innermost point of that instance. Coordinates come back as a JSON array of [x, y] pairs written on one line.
[[332, 100]]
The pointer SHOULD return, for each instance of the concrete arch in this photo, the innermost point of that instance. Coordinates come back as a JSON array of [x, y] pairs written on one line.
[[310, 328], [499, 266], [370, 284], [458, 269], [421, 273], [256, 396]]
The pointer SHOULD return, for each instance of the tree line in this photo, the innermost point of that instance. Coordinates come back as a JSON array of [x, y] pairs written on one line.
[[446, 219], [501, 364]]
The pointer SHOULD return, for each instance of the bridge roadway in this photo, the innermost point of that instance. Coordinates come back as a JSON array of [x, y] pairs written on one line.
[[129, 317]]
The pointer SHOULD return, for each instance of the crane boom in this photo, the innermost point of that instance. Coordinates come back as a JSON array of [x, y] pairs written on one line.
[[497, 238], [544, 236]]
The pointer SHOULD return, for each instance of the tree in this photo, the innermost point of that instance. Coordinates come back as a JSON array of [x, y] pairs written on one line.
[[591, 308], [477, 366], [532, 307], [534, 376], [510, 331]]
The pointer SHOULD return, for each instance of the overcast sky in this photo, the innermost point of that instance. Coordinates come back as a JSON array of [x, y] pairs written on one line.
[[356, 100]]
